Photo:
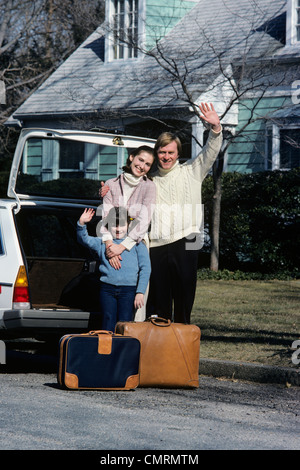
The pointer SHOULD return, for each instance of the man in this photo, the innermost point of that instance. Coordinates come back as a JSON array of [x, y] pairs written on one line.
[[176, 221]]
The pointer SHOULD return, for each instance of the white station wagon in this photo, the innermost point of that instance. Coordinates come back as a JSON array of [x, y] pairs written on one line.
[[48, 282]]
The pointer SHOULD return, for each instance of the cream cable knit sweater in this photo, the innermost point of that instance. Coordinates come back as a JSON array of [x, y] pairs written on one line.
[[178, 208]]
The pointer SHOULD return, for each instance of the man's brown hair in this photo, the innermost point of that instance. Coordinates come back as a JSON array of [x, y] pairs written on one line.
[[165, 139]]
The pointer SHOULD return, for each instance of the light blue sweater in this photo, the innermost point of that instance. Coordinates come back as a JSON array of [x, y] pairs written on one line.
[[135, 265]]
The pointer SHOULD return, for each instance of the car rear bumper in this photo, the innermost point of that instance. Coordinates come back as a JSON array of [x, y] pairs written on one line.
[[56, 320]]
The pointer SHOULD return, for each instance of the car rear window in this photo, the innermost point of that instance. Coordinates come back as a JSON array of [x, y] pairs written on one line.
[[67, 168]]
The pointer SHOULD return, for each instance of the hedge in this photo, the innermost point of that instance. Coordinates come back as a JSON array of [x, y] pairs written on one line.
[[259, 221]]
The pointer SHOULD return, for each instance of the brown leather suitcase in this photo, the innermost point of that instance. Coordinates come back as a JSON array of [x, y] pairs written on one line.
[[169, 354]]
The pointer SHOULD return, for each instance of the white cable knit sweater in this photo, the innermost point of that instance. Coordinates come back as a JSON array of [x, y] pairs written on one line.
[[178, 208]]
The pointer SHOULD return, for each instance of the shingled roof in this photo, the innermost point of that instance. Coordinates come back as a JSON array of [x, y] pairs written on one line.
[[213, 31]]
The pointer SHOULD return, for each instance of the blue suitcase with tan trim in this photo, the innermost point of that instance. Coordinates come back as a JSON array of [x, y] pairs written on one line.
[[98, 360]]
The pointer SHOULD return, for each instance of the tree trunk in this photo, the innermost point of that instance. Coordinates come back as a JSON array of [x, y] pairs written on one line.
[[216, 212]]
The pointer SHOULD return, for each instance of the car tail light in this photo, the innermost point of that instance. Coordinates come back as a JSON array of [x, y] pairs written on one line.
[[21, 290]]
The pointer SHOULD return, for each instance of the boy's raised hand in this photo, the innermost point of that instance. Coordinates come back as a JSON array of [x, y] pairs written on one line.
[[86, 216]]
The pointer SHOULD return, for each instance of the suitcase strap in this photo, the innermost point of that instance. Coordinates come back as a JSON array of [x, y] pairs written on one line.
[[104, 340], [159, 321]]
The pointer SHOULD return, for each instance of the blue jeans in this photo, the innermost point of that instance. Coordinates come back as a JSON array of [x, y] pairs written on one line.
[[116, 304]]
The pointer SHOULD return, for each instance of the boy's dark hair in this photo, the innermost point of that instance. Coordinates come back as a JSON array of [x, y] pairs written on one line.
[[117, 216]]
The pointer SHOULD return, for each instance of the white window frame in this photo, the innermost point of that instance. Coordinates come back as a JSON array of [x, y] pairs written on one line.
[[111, 54], [293, 23], [274, 151]]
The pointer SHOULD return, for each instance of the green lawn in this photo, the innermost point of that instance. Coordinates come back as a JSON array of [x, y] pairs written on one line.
[[249, 321]]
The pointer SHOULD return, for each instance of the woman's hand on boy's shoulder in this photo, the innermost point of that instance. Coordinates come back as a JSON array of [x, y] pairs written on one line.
[[103, 189], [113, 259], [114, 250]]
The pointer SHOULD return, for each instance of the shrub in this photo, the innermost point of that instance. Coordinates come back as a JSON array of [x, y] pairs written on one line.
[[259, 220], [226, 275]]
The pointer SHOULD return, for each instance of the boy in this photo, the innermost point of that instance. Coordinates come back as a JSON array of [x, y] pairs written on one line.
[[122, 291]]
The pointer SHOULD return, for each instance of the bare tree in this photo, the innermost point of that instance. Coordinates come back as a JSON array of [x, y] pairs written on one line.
[[35, 37]]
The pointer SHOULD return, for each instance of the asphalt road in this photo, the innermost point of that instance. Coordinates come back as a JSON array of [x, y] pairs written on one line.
[[37, 415]]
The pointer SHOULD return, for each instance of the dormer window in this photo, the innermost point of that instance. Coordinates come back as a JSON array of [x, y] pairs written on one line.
[[293, 22], [124, 32]]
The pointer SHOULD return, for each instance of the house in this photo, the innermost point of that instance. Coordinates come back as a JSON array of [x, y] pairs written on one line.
[[144, 69]]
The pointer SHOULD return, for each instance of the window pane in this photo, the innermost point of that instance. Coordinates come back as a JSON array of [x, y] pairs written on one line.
[[269, 148], [71, 155], [71, 175], [119, 25], [289, 148], [108, 163], [125, 27], [34, 157]]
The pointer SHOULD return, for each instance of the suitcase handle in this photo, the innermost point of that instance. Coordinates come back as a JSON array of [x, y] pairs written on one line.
[[100, 332], [159, 321]]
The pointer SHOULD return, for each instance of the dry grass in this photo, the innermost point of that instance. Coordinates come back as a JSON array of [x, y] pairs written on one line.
[[248, 321]]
